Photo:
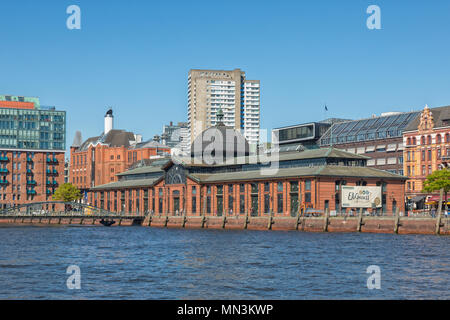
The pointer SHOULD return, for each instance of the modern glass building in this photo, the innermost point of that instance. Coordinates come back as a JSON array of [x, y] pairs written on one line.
[[37, 128], [380, 138], [32, 148]]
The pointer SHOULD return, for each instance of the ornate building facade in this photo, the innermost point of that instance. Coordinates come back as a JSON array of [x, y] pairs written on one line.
[[427, 148]]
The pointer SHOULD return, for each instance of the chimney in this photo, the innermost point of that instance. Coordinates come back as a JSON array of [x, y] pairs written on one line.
[[108, 121], [138, 138]]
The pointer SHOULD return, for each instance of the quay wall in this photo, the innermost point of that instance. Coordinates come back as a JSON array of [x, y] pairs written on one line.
[[387, 224], [390, 224]]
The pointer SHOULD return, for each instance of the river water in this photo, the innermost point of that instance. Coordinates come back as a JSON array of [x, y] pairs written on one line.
[[151, 263]]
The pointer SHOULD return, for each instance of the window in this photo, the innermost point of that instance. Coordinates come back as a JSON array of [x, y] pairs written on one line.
[[307, 186], [280, 203], [242, 204], [308, 197], [294, 186], [280, 186]]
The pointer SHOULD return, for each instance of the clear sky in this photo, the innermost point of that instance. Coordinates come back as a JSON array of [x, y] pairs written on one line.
[[135, 56]]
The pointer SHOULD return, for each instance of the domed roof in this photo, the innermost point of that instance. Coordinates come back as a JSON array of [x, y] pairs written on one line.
[[218, 143]]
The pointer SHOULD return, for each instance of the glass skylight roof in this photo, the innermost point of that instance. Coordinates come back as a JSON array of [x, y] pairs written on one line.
[[390, 126]]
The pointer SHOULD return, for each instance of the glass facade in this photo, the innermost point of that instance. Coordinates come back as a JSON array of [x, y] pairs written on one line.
[[38, 128], [383, 127]]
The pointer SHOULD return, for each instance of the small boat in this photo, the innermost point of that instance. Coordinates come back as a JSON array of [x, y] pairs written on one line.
[[107, 223]]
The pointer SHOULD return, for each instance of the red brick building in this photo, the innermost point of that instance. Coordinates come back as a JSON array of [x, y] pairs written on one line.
[[97, 160], [309, 179], [32, 148]]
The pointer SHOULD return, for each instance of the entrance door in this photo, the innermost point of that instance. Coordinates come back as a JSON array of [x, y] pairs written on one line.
[[294, 204], [176, 205]]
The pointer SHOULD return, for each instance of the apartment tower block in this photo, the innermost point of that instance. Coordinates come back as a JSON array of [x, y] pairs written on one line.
[[239, 99]]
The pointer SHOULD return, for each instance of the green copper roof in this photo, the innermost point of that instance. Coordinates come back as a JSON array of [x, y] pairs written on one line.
[[317, 171], [128, 184]]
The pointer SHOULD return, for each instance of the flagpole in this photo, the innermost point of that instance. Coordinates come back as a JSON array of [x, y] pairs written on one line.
[[331, 127]]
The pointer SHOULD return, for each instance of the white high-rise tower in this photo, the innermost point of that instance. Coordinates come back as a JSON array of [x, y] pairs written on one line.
[[239, 99]]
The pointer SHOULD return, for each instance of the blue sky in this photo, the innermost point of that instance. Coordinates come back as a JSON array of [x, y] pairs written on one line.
[[135, 56]]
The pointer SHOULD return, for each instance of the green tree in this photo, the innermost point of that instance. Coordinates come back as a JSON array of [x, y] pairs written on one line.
[[438, 180], [67, 192]]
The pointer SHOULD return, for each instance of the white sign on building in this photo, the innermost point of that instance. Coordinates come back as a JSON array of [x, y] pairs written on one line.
[[361, 197]]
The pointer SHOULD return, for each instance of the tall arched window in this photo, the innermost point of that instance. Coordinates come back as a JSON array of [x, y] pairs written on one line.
[[447, 137], [408, 142], [428, 139], [414, 141], [422, 140], [438, 139]]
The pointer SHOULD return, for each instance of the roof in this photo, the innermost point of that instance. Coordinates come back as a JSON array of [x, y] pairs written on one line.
[[387, 126], [114, 138], [134, 183], [150, 144], [221, 140], [318, 171], [146, 169], [276, 157], [439, 115]]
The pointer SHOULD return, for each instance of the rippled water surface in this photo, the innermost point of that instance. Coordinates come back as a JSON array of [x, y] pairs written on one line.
[[150, 263]]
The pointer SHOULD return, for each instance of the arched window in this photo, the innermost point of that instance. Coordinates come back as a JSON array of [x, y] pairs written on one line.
[[447, 137], [408, 142], [428, 139], [422, 140], [438, 139], [414, 141]]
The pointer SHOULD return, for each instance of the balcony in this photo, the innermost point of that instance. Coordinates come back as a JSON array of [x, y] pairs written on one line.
[[51, 183], [4, 159], [4, 181], [31, 182], [29, 171], [51, 172], [29, 159], [31, 191], [3, 170], [52, 160], [48, 191]]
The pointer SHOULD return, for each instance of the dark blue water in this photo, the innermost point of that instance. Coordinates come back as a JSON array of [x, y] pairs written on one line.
[[150, 263]]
